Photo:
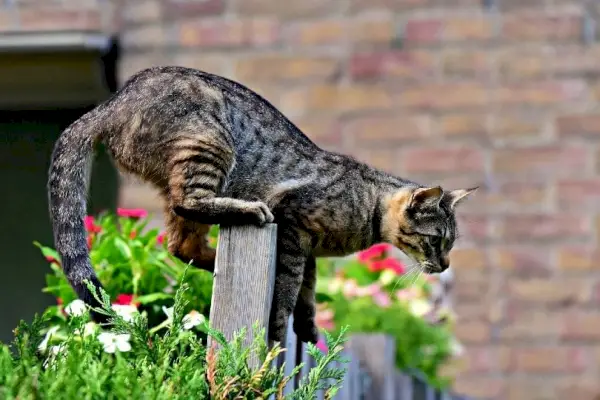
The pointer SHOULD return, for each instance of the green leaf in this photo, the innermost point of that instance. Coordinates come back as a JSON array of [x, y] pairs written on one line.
[[323, 298], [151, 298], [123, 247], [47, 251]]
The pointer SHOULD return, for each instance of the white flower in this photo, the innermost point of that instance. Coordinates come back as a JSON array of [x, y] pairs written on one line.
[[54, 351], [387, 276], [125, 311], [192, 319], [419, 307], [457, 348], [168, 312], [88, 329], [113, 342], [44, 344], [75, 308]]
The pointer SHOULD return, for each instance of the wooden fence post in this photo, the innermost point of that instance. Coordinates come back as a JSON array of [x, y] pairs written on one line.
[[244, 277], [377, 352]]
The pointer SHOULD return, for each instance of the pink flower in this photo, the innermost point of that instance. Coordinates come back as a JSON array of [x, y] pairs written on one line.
[[324, 319], [388, 263], [406, 294], [350, 288], [125, 300], [321, 345], [90, 225], [382, 299], [160, 239], [369, 290], [372, 252], [132, 212]]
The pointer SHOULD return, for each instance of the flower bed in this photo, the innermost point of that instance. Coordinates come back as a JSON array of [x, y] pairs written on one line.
[[372, 292]]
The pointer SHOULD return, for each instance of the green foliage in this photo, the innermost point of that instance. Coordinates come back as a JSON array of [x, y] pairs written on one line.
[[131, 361], [375, 293]]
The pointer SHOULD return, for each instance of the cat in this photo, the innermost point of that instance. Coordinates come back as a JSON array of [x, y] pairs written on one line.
[[221, 154]]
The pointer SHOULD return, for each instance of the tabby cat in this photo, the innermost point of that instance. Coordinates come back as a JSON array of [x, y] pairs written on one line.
[[221, 154]]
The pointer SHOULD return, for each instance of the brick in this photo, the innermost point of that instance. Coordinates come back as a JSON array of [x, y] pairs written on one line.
[[467, 29], [473, 228], [323, 131], [447, 159], [463, 125], [144, 37], [542, 26], [544, 227], [59, 19], [578, 387], [579, 325], [285, 68], [548, 359], [8, 20], [512, 5], [479, 387], [469, 285], [468, 258], [330, 98], [191, 8], [482, 309], [579, 258], [521, 64], [423, 31], [297, 9], [216, 64], [447, 96], [550, 292], [466, 63], [385, 130], [399, 65], [575, 60], [531, 389], [507, 196], [397, 5], [516, 125], [473, 332], [579, 194], [317, 33], [487, 359], [372, 31], [523, 261], [556, 161], [539, 93], [378, 158], [531, 325], [224, 34], [134, 13], [579, 125]]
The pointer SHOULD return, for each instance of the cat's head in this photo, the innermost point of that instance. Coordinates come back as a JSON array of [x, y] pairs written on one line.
[[421, 222]]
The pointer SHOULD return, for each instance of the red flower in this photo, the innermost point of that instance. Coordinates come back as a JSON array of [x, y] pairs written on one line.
[[59, 301], [125, 300], [160, 239], [51, 260], [388, 263], [132, 212], [89, 242], [132, 234], [376, 251], [90, 225]]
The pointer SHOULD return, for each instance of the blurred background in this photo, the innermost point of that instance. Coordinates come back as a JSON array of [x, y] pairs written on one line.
[[500, 93]]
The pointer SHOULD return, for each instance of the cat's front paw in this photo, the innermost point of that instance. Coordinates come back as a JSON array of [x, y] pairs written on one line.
[[306, 331], [261, 213], [277, 332]]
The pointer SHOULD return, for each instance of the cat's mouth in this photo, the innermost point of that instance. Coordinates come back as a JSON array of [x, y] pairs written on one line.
[[430, 268]]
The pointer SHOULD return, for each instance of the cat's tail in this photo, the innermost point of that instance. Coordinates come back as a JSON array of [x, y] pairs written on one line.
[[68, 181]]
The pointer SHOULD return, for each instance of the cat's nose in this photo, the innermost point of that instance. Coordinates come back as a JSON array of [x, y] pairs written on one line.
[[445, 263]]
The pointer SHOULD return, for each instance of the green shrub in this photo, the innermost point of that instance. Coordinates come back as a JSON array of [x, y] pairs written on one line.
[[132, 362]]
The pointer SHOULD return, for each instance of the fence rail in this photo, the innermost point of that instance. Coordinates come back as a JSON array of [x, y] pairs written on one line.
[[242, 295]]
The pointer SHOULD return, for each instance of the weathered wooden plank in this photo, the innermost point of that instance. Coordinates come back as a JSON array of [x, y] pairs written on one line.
[[403, 386], [290, 356], [377, 354], [244, 277]]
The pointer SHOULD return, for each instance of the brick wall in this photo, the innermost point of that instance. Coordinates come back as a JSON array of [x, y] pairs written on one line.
[[57, 15], [456, 92], [503, 93]]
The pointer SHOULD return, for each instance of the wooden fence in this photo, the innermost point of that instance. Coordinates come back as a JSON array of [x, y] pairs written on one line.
[[243, 289]]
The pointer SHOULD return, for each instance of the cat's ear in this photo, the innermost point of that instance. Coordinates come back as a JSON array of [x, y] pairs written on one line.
[[425, 197], [458, 195]]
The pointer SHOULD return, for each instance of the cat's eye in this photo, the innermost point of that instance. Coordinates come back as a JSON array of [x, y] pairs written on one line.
[[435, 240]]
